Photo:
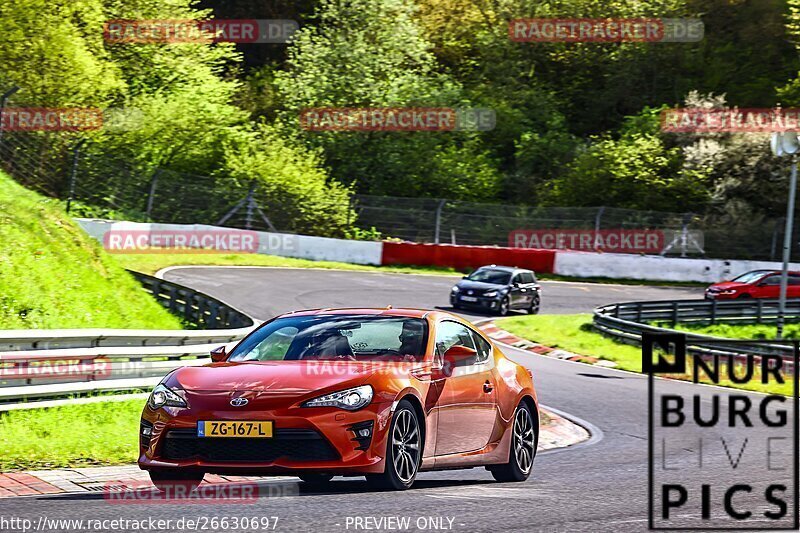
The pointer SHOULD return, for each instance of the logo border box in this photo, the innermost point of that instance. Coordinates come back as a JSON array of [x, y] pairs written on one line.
[[795, 506]]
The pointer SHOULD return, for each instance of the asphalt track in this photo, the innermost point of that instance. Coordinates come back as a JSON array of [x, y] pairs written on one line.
[[599, 486]]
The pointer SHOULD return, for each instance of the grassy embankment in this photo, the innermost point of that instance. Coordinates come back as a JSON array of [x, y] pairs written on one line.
[[53, 275]]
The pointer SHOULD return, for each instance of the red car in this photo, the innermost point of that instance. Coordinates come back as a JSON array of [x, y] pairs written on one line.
[[755, 284], [383, 393]]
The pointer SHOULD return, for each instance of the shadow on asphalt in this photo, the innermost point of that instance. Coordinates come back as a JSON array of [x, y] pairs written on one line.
[[599, 376], [477, 314], [299, 489]]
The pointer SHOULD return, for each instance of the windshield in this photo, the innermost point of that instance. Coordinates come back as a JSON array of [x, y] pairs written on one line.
[[336, 337], [490, 275], [750, 277]]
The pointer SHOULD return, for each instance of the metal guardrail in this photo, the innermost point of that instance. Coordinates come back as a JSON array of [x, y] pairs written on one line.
[[197, 309], [57, 363], [627, 321]]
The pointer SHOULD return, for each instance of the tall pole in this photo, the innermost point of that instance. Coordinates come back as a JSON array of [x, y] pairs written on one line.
[[787, 246], [438, 227], [76, 153], [3, 99]]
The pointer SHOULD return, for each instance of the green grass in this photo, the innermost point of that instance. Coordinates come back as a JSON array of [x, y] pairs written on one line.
[[152, 263], [102, 433], [574, 333], [738, 331], [53, 275]]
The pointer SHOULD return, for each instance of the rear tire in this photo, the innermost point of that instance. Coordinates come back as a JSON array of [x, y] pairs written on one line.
[[524, 440], [174, 483], [403, 451]]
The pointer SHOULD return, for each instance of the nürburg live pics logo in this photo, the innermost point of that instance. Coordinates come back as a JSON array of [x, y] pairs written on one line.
[[722, 433]]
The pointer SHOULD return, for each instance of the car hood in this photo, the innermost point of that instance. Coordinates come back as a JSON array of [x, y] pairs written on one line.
[[728, 285], [466, 284], [282, 377]]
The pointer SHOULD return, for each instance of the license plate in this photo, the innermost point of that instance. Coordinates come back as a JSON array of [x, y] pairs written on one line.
[[234, 429], [469, 299]]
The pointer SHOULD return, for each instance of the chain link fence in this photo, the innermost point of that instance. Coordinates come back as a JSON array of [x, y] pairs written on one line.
[[61, 166]]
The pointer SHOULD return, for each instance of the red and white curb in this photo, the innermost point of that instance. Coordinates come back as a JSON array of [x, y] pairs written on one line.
[[92, 479]]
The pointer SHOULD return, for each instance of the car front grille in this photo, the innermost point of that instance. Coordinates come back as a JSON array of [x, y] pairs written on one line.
[[292, 444]]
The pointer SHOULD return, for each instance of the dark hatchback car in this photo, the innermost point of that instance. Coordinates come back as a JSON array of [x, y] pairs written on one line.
[[498, 289]]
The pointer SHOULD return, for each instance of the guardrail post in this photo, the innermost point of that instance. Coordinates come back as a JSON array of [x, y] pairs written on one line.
[[638, 311], [674, 313], [713, 312], [759, 311]]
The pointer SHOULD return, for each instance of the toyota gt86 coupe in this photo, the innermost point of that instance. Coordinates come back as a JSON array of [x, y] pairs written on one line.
[[381, 393]]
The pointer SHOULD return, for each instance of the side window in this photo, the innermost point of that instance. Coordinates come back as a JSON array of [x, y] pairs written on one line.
[[794, 279], [526, 277], [484, 348], [517, 279], [450, 334], [772, 280]]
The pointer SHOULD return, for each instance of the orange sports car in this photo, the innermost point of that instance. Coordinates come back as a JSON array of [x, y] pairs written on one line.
[[384, 393]]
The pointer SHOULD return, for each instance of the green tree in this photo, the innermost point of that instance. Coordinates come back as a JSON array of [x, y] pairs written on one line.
[[369, 53], [293, 188]]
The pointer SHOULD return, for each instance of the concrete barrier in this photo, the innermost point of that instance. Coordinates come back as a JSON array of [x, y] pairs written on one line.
[[566, 263], [654, 267], [279, 244], [456, 256]]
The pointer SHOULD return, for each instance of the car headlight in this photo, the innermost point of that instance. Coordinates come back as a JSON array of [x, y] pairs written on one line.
[[490, 294], [455, 289], [163, 395], [350, 399], [728, 291]]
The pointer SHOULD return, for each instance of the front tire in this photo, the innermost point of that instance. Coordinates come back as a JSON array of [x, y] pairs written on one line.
[[403, 451], [524, 441], [535, 304], [174, 483], [505, 306]]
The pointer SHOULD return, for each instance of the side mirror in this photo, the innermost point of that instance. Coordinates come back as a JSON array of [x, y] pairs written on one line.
[[464, 277], [218, 354], [455, 356]]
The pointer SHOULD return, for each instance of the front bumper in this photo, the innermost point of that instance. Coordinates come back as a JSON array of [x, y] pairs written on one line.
[[320, 439], [480, 302], [720, 296]]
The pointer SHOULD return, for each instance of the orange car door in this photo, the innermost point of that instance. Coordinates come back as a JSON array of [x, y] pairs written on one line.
[[467, 407]]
